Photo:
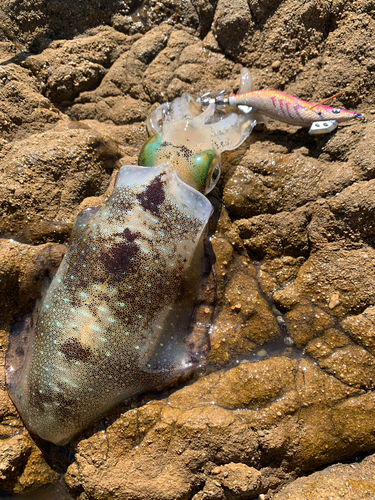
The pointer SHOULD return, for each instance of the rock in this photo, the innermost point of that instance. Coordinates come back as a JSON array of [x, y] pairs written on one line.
[[23, 269], [275, 409], [13, 455], [35, 29], [276, 182], [361, 328], [36, 474], [288, 385], [244, 319], [231, 481], [22, 465], [159, 66], [23, 110], [238, 480], [276, 235], [350, 481], [231, 25], [51, 174], [80, 66]]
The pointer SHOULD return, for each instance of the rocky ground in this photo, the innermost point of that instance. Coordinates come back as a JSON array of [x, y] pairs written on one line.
[[290, 380]]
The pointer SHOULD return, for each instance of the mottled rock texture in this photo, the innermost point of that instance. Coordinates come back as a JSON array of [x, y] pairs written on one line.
[[289, 381], [349, 481]]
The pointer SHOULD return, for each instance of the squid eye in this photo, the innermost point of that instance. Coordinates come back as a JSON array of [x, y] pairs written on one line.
[[336, 111], [203, 167], [149, 153], [214, 178]]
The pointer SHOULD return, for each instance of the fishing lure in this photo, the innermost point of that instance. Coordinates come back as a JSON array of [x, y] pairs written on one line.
[[283, 107], [115, 319]]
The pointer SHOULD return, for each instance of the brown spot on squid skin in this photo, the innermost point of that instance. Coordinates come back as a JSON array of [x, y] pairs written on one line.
[[74, 350], [153, 196], [120, 258], [129, 235]]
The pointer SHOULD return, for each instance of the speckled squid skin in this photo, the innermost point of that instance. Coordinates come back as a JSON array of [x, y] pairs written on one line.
[[115, 316], [115, 319]]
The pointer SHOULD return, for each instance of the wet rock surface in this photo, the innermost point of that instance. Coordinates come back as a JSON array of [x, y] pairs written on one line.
[[289, 381], [338, 481]]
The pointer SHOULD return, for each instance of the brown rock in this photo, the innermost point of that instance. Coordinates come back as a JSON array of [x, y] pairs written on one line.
[[13, 456], [276, 182], [244, 319], [361, 328], [23, 110], [22, 273], [49, 21], [345, 274], [230, 26], [50, 175], [275, 235], [350, 481], [299, 419], [298, 264], [237, 480], [68, 68]]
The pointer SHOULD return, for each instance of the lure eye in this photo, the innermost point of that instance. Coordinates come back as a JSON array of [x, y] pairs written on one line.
[[149, 153], [336, 111]]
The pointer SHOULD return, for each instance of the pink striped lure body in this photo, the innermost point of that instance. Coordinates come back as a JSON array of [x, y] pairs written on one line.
[[289, 109]]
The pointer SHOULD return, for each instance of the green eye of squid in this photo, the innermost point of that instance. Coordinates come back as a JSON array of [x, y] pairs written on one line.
[[206, 170], [148, 154], [201, 171]]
